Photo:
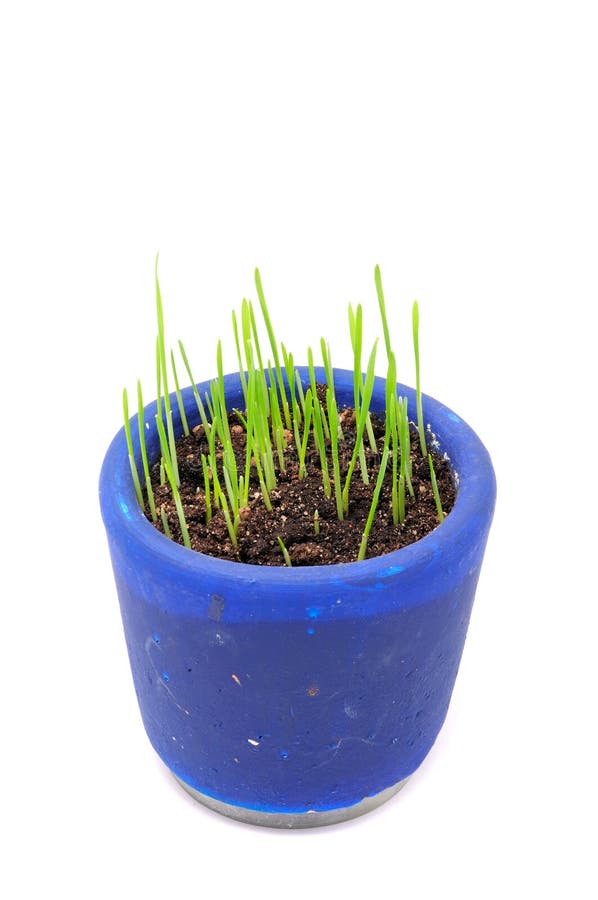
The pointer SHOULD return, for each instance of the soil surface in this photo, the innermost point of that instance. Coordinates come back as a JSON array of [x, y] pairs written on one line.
[[294, 504]]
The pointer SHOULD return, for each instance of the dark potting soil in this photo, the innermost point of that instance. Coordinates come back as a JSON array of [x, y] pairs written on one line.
[[294, 503]]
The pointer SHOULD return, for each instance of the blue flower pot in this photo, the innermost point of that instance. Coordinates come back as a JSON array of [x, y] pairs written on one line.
[[304, 696]]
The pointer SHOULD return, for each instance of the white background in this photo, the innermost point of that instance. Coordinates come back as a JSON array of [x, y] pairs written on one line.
[[456, 145]]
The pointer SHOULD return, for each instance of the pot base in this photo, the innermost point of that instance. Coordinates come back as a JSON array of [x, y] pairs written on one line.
[[310, 819]]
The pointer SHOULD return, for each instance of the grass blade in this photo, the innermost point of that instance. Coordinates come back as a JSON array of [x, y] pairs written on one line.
[[167, 462], [165, 524], [274, 346], [321, 446], [179, 398], [164, 374], [285, 552], [392, 434], [360, 423], [198, 401], [382, 305], [435, 490], [144, 459], [300, 393], [132, 463], [242, 374], [206, 487], [303, 447], [374, 504], [231, 525], [356, 329], [420, 415], [334, 429], [225, 430]]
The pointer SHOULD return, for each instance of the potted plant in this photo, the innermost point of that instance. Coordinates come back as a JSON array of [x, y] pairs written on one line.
[[293, 693]]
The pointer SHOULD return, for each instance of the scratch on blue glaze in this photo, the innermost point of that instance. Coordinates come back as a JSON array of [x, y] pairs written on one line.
[[125, 509], [216, 607], [392, 570]]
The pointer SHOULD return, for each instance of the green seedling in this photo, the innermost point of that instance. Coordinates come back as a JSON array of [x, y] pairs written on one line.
[[198, 400], [327, 361], [165, 524], [374, 505], [334, 430], [242, 374], [144, 459], [285, 552], [164, 379], [383, 316], [159, 404], [437, 500], [300, 393], [179, 398], [274, 345], [277, 427], [289, 367], [206, 487], [356, 332], [303, 447], [418, 393], [132, 463], [168, 467], [392, 430], [360, 423], [318, 416], [232, 523]]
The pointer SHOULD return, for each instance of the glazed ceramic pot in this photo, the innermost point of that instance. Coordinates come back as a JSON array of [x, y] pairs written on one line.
[[297, 696]]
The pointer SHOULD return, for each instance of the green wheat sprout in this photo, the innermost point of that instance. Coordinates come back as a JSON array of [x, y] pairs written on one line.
[[285, 552]]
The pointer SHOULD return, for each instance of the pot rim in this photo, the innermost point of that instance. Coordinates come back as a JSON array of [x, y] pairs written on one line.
[[476, 489]]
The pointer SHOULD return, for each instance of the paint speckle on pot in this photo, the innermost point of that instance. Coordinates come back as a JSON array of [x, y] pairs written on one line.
[[350, 710], [313, 690], [236, 679], [165, 677], [284, 754], [216, 607], [253, 742]]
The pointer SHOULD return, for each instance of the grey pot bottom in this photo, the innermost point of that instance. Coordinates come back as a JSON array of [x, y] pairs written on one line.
[[311, 819]]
